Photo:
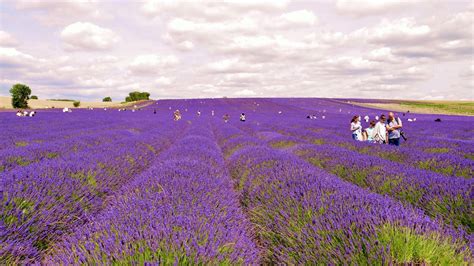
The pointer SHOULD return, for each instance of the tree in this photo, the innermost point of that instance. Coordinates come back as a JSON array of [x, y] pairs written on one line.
[[107, 99], [76, 103], [137, 96], [34, 97], [20, 95]]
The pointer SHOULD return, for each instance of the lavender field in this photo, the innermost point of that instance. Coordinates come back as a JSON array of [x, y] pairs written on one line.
[[109, 187]]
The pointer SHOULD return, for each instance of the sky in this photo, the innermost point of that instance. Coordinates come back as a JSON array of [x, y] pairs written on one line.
[[87, 50]]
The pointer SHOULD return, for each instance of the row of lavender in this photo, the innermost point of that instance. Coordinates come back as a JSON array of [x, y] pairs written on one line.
[[449, 198], [449, 140], [46, 199], [448, 157], [305, 215], [185, 207], [181, 210], [49, 127]]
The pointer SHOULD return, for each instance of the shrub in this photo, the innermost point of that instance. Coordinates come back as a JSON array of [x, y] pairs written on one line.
[[107, 99], [76, 103]]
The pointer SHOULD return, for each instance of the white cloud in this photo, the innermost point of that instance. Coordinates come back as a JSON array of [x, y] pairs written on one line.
[[348, 65], [210, 10], [164, 81], [447, 37], [232, 65], [468, 73], [12, 58], [186, 45], [300, 17], [370, 7], [401, 31], [241, 48], [6, 39], [245, 92], [152, 64], [88, 36], [52, 12]]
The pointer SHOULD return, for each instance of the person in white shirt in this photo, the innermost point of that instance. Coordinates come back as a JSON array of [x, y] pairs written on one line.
[[379, 134], [242, 117], [356, 128], [177, 115]]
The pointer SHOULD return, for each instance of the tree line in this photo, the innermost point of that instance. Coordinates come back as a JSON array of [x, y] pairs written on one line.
[[21, 94]]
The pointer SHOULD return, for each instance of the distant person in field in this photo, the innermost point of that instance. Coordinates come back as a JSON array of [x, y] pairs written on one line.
[[356, 128], [242, 117], [366, 118], [226, 118], [198, 113], [19, 113], [177, 115], [32, 113], [367, 133], [212, 112], [154, 111], [379, 133], [394, 124]]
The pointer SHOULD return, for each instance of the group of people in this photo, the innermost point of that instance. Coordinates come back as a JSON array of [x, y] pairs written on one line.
[[314, 116], [382, 131], [25, 113], [226, 117]]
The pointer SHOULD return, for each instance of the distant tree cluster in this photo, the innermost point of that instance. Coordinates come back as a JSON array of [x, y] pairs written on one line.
[[76, 103], [34, 97], [107, 99], [137, 96], [20, 95]]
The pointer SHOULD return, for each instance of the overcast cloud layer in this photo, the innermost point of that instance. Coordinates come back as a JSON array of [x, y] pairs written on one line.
[[239, 48]]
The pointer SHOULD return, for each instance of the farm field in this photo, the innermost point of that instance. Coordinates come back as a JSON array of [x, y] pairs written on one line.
[[109, 187], [424, 107], [6, 103]]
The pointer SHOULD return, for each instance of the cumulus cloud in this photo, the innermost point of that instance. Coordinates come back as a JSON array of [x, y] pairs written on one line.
[[59, 13], [186, 45], [210, 10], [370, 7], [242, 48], [245, 93], [88, 36], [300, 17], [232, 65], [12, 58], [152, 64], [164, 81], [7, 40], [402, 31], [348, 65]]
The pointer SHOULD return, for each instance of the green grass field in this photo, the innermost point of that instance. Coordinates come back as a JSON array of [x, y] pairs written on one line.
[[465, 108]]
